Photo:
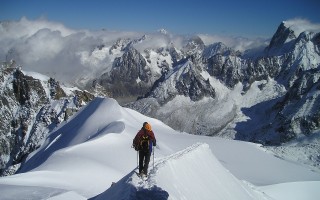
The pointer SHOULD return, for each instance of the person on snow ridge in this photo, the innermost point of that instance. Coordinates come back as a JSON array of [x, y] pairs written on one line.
[[143, 142]]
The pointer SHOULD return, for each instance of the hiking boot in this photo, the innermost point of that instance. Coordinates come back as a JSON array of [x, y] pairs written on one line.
[[143, 174]]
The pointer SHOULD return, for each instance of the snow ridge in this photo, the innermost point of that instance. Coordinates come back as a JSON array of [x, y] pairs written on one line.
[[176, 174]]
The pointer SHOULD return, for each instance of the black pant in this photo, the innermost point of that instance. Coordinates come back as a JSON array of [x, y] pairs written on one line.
[[144, 159]]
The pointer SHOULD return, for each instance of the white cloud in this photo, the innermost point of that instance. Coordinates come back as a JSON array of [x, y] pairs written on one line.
[[237, 43], [26, 28], [298, 25], [47, 47], [51, 48]]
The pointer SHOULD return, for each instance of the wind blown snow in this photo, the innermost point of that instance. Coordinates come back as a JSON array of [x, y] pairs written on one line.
[[299, 25]]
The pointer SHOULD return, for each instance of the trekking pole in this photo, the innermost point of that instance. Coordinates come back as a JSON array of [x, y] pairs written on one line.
[[153, 157]]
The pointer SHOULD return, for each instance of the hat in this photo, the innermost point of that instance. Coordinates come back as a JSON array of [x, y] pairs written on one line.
[[147, 126]]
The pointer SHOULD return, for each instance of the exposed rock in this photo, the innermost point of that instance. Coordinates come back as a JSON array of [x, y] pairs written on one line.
[[129, 76], [28, 113], [282, 35], [56, 92]]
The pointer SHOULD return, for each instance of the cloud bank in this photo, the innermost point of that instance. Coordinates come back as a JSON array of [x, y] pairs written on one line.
[[51, 48], [55, 50]]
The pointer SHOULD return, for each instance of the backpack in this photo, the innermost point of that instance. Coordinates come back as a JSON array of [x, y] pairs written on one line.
[[145, 142]]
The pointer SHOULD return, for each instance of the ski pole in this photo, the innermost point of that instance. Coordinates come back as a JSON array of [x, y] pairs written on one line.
[[153, 157], [137, 159]]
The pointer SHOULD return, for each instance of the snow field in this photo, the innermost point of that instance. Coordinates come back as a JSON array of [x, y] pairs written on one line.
[[81, 159]]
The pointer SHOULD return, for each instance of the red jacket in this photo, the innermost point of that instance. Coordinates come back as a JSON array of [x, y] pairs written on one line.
[[137, 139]]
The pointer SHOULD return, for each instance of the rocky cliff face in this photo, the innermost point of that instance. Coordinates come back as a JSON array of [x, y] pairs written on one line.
[[282, 37], [129, 76], [300, 107], [184, 79], [293, 62], [30, 108]]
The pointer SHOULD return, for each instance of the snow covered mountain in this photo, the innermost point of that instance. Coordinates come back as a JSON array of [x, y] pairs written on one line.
[[89, 157], [282, 83], [32, 105], [269, 97]]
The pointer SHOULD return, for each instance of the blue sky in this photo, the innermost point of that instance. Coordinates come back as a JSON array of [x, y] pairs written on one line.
[[246, 18]]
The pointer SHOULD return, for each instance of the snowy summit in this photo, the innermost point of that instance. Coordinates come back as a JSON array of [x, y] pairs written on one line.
[[90, 157]]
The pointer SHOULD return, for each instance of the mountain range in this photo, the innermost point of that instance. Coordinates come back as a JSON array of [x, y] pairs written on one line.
[[267, 95]]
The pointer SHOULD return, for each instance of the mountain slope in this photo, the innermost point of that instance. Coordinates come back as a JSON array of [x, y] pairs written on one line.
[[32, 105], [82, 157]]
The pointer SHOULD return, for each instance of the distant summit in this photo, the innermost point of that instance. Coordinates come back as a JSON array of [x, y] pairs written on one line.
[[163, 31]]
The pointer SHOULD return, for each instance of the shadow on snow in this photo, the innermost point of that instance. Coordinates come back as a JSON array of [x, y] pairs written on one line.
[[261, 125], [126, 189]]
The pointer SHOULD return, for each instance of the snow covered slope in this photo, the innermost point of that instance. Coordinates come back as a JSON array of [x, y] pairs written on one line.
[[82, 157], [193, 173]]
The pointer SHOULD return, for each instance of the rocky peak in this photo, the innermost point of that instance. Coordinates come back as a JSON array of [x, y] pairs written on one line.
[[193, 85], [130, 66], [120, 44], [283, 35], [184, 79], [195, 45], [217, 48], [129, 77], [25, 86], [135, 41]]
